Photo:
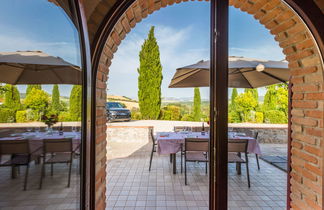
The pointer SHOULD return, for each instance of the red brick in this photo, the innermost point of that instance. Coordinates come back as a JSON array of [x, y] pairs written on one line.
[[297, 96], [297, 80], [303, 138], [304, 104], [313, 169], [304, 88], [315, 114], [309, 175], [303, 71], [300, 55], [314, 96], [282, 27], [314, 132], [308, 43], [313, 150], [297, 144]]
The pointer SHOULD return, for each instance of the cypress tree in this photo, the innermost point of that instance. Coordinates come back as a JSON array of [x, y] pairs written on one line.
[[197, 105], [12, 98], [75, 103], [30, 87], [234, 95], [150, 78], [56, 105]]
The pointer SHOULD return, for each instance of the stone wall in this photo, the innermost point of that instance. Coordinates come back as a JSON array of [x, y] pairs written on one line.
[[266, 134], [126, 134]]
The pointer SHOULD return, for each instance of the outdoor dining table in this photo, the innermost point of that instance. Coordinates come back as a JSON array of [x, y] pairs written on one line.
[[36, 139], [170, 143]]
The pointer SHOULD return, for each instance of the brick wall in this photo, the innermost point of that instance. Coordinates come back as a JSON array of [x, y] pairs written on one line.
[[307, 80]]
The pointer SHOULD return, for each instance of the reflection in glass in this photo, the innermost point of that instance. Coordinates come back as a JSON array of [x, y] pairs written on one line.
[[40, 106]]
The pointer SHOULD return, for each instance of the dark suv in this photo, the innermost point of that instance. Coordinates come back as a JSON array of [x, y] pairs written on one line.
[[116, 112]]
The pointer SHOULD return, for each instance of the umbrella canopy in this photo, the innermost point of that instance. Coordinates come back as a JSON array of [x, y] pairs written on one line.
[[242, 73], [36, 67]]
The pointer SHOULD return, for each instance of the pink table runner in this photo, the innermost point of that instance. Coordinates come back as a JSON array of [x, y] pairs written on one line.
[[170, 142], [36, 139]]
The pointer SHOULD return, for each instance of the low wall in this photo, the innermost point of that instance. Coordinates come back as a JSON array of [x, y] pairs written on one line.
[[139, 134], [268, 133]]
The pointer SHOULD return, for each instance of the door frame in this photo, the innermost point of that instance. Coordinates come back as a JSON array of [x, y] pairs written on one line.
[[307, 10]]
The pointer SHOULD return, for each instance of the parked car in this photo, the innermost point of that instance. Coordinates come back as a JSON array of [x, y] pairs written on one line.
[[117, 112]]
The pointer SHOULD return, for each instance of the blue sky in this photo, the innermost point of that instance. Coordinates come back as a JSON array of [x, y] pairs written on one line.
[[38, 25], [182, 32]]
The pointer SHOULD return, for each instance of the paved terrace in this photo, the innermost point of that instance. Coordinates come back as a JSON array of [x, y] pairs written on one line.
[[131, 186]]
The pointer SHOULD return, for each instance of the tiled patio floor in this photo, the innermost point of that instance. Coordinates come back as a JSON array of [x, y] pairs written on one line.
[[53, 195], [131, 186]]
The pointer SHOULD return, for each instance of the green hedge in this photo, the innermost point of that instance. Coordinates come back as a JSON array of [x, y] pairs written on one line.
[[275, 117], [7, 115], [21, 116]]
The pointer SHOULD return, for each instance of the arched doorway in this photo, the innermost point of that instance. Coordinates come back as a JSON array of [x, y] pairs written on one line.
[[307, 77]]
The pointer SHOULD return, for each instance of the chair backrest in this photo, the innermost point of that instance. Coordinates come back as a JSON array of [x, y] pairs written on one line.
[[57, 145], [237, 145], [196, 145], [152, 136], [11, 147], [256, 134]]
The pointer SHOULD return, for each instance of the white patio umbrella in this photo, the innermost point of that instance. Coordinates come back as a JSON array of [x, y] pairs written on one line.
[[242, 73], [36, 67]]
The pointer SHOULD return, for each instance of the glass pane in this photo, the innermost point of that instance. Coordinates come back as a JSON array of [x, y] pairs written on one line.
[[258, 110], [40, 106], [181, 111]]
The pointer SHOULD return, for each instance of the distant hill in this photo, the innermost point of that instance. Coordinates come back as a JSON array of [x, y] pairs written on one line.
[[129, 103]]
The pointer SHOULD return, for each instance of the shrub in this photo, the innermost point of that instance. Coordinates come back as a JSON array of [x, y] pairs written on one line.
[[32, 115], [187, 117], [21, 116], [275, 116], [64, 117], [234, 117], [7, 115], [37, 100], [136, 115], [259, 117], [170, 113]]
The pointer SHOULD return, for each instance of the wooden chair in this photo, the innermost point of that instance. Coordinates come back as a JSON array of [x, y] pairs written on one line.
[[196, 150], [154, 146], [256, 134], [57, 151], [235, 148], [20, 155]]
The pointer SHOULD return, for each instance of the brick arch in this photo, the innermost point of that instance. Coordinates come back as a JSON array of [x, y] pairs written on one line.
[[307, 100]]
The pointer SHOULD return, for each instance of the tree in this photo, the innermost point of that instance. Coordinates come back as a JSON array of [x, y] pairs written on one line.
[[75, 103], [234, 95], [245, 104], [197, 105], [56, 105], [12, 98], [254, 92], [30, 87], [37, 100], [150, 78]]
